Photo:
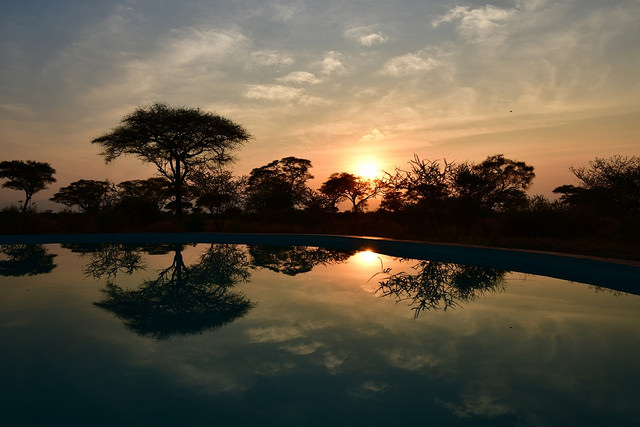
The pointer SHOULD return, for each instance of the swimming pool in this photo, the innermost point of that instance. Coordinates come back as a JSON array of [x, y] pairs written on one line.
[[308, 330]]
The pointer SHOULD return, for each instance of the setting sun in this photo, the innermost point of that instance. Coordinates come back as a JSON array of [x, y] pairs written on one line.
[[369, 169]]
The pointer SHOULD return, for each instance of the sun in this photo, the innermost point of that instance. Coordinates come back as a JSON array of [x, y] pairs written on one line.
[[368, 169]]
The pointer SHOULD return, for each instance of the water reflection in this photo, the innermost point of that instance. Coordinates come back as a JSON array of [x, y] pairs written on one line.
[[181, 300], [437, 285], [25, 260], [542, 351], [293, 260]]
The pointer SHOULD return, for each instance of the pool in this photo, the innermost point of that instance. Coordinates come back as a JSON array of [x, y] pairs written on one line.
[[312, 330]]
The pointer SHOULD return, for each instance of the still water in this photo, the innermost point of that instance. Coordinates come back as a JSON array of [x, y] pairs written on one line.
[[229, 334]]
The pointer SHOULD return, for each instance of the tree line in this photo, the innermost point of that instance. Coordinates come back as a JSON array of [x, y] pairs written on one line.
[[192, 150]]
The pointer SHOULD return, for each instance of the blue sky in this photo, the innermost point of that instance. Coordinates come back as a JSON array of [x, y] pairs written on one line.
[[553, 83]]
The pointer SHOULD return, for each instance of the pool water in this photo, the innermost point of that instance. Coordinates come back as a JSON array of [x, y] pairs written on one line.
[[227, 334]]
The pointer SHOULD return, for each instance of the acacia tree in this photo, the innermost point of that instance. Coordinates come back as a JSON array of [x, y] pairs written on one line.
[[175, 140], [425, 183], [279, 186], [216, 190], [610, 185], [155, 192], [497, 183], [29, 176], [346, 186], [89, 195]]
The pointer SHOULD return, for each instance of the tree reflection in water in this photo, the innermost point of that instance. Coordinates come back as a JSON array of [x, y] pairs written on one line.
[[25, 260], [183, 299], [293, 260], [438, 285]]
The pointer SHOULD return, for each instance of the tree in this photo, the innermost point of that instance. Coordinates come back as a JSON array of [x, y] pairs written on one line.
[[279, 186], [346, 186], [216, 190], [29, 176], [155, 191], [89, 195], [175, 140], [142, 200], [425, 183], [497, 183], [25, 260], [181, 300], [611, 184], [293, 260], [441, 285]]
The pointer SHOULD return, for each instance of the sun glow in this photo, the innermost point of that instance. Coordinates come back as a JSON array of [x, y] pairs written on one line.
[[368, 169], [366, 258]]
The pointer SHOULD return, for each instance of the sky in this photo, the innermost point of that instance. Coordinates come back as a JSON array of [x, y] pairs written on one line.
[[552, 83]]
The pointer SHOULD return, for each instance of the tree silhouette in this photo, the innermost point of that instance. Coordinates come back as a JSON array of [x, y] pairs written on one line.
[[279, 186], [155, 191], [346, 186], [110, 259], [440, 285], [87, 194], [25, 260], [184, 299], [29, 176], [495, 184], [609, 185], [175, 140], [425, 183], [216, 190], [293, 260]]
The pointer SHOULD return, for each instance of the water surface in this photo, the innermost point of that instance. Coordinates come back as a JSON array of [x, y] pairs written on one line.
[[272, 335]]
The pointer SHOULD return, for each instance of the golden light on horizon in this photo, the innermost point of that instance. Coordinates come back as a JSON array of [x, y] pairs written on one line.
[[369, 169]]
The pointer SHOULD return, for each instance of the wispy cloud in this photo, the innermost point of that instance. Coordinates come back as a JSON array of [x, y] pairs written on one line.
[[273, 92], [265, 58], [477, 24], [366, 35], [332, 64], [410, 63], [281, 93], [186, 46], [300, 77], [286, 12]]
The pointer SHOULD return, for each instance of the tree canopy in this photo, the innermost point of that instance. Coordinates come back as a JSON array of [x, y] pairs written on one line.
[[28, 176], [279, 186], [611, 185], [176, 140], [496, 184], [89, 195], [346, 186]]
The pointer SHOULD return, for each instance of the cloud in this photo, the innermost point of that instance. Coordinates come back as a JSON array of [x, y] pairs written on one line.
[[300, 77], [332, 64], [479, 24], [273, 92], [286, 12], [275, 334], [366, 36], [411, 63], [374, 136], [281, 93], [189, 45], [265, 58]]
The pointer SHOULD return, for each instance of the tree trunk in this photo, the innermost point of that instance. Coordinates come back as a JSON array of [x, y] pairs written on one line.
[[178, 191], [27, 199]]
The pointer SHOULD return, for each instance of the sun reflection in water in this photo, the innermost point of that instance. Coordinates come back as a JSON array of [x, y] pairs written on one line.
[[366, 258]]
